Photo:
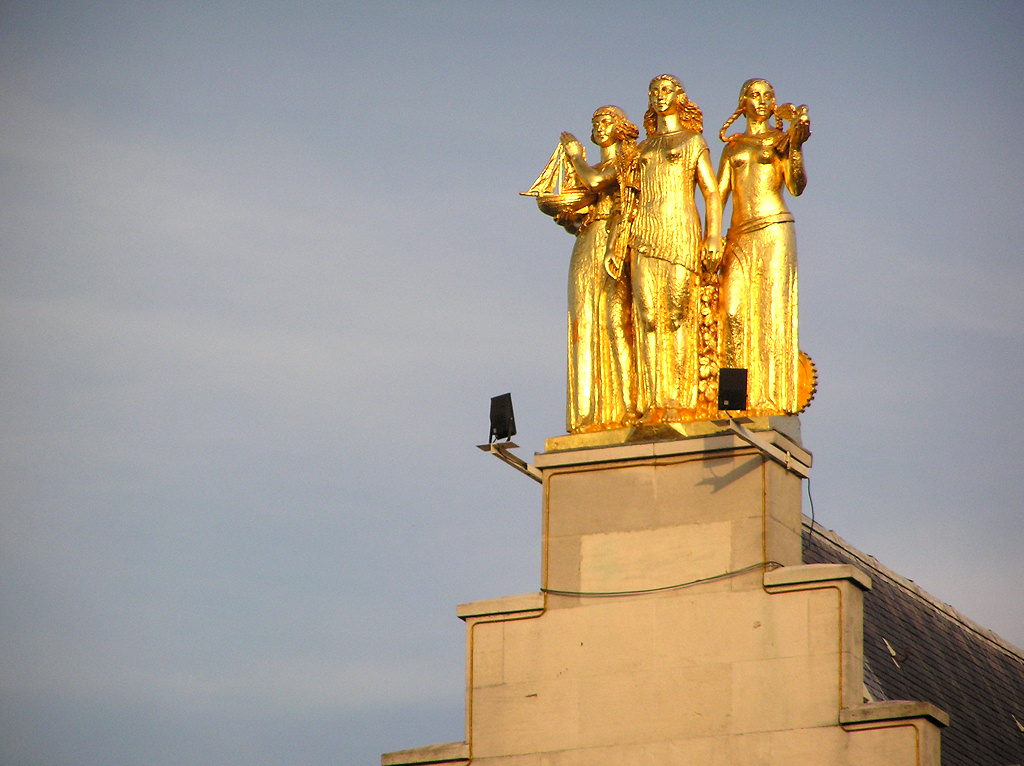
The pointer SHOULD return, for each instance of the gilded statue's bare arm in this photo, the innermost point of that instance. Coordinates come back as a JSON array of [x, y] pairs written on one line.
[[713, 210], [796, 178], [724, 177], [593, 178], [793, 161]]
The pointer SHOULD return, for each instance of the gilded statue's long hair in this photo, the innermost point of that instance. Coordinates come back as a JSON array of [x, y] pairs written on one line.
[[626, 173], [739, 108], [626, 133], [689, 113]]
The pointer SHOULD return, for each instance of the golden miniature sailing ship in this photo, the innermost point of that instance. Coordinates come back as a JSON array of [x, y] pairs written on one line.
[[558, 188]]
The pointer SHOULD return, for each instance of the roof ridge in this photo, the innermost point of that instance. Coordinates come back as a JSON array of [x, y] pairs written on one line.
[[915, 590]]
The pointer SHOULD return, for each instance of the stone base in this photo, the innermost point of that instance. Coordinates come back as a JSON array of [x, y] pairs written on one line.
[[676, 624], [787, 425], [659, 514]]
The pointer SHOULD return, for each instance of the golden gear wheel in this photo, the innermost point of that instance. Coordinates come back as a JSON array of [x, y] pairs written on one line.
[[807, 381]]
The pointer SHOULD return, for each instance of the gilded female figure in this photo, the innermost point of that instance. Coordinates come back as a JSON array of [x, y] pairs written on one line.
[[669, 250], [602, 373], [758, 293]]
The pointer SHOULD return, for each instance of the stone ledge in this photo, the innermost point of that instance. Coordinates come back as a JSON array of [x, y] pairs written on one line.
[[526, 602], [787, 425], [451, 752], [576, 450], [812, 573], [602, 454], [893, 710]]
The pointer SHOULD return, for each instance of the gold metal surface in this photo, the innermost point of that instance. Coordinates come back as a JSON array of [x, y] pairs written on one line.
[[807, 382], [758, 292], [658, 301], [558, 189], [601, 388], [669, 250]]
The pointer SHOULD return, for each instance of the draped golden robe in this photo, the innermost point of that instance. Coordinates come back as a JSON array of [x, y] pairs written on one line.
[[758, 303], [599, 328], [666, 245]]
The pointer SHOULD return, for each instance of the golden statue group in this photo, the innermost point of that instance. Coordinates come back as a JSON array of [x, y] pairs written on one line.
[[658, 302]]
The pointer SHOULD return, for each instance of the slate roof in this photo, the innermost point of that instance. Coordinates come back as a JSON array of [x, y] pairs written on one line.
[[917, 648]]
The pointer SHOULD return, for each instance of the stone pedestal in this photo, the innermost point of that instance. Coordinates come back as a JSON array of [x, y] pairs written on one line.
[[676, 624], [659, 514]]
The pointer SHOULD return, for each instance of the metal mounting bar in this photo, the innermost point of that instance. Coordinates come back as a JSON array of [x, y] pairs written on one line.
[[501, 451], [780, 456]]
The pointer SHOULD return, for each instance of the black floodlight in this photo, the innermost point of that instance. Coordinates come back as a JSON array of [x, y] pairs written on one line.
[[732, 388], [503, 420]]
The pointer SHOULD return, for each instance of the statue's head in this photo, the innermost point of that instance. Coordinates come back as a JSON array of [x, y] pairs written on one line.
[[610, 125], [756, 102], [666, 95], [757, 99]]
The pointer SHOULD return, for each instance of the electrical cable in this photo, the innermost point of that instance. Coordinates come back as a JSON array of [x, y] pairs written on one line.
[[611, 594], [811, 499]]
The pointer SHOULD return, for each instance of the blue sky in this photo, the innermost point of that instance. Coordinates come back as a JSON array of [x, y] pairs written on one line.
[[263, 264]]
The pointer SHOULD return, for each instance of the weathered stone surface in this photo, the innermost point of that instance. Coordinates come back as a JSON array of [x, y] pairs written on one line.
[[449, 753], [678, 624]]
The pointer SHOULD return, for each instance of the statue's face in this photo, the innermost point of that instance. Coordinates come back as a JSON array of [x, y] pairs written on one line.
[[664, 96], [603, 133], [758, 101]]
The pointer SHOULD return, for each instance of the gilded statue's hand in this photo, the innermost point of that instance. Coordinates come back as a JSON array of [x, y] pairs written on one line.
[[712, 253], [572, 146], [801, 126]]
